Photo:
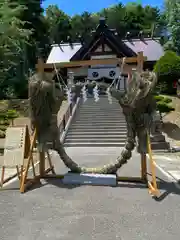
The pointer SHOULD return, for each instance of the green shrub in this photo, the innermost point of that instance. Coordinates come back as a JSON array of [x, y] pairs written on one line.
[[11, 114], [7, 116], [168, 71], [162, 104], [159, 98], [3, 115], [167, 100], [163, 107], [2, 134], [3, 128], [5, 122]]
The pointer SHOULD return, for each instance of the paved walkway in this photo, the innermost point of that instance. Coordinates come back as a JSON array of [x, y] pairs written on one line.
[[127, 212], [170, 163]]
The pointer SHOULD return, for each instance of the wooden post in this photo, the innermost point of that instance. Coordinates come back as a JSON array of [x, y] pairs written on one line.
[[42, 163], [140, 62], [153, 189], [40, 69], [40, 65], [143, 167]]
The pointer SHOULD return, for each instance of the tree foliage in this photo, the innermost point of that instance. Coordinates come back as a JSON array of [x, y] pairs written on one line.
[[172, 11], [168, 70], [13, 38]]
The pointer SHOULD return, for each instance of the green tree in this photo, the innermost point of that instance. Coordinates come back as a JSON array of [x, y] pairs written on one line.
[[82, 26], [116, 18], [168, 71], [33, 18], [172, 11], [13, 37], [58, 24]]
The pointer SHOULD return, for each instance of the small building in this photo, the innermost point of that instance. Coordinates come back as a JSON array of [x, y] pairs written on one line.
[[105, 44]]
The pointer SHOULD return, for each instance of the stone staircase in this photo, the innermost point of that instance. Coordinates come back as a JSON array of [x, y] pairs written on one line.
[[97, 124], [100, 124]]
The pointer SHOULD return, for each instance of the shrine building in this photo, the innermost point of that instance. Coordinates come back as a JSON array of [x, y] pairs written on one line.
[[105, 44]]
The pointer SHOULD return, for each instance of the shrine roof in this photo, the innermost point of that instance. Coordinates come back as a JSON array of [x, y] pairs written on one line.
[[151, 48], [63, 52], [103, 36]]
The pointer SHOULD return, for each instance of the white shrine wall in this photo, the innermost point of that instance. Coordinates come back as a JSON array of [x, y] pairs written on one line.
[[78, 72]]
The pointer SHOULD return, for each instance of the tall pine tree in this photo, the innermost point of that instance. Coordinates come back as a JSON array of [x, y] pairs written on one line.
[[13, 37], [33, 16]]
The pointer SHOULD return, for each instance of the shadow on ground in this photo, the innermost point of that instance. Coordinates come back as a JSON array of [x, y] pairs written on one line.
[[165, 188], [172, 130]]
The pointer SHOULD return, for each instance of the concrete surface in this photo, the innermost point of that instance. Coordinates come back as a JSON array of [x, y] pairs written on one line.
[[170, 163], [90, 179], [127, 212]]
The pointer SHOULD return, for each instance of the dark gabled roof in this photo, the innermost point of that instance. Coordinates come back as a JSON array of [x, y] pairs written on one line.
[[151, 47], [104, 34]]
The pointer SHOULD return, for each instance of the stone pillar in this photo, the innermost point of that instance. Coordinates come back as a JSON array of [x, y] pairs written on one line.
[[70, 80], [158, 140]]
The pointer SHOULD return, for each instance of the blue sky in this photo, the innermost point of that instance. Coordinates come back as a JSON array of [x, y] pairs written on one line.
[[72, 7]]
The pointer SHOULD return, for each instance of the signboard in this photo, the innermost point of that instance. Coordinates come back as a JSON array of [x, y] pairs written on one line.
[[17, 144]]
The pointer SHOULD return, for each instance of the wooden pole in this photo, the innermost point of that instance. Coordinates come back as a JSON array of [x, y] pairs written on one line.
[[42, 163], [40, 65], [140, 62], [40, 69], [143, 167], [89, 62]]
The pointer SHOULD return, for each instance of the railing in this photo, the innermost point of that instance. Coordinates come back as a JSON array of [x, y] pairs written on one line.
[[66, 117]]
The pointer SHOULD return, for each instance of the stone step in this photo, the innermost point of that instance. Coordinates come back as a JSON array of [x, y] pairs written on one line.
[[103, 104], [105, 113], [159, 145], [100, 108], [82, 144], [101, 101], [99, 121], [92, 140], [88, 111], [77, 133], [95, 137], [99, 130], [99, 118], [87, 125]]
